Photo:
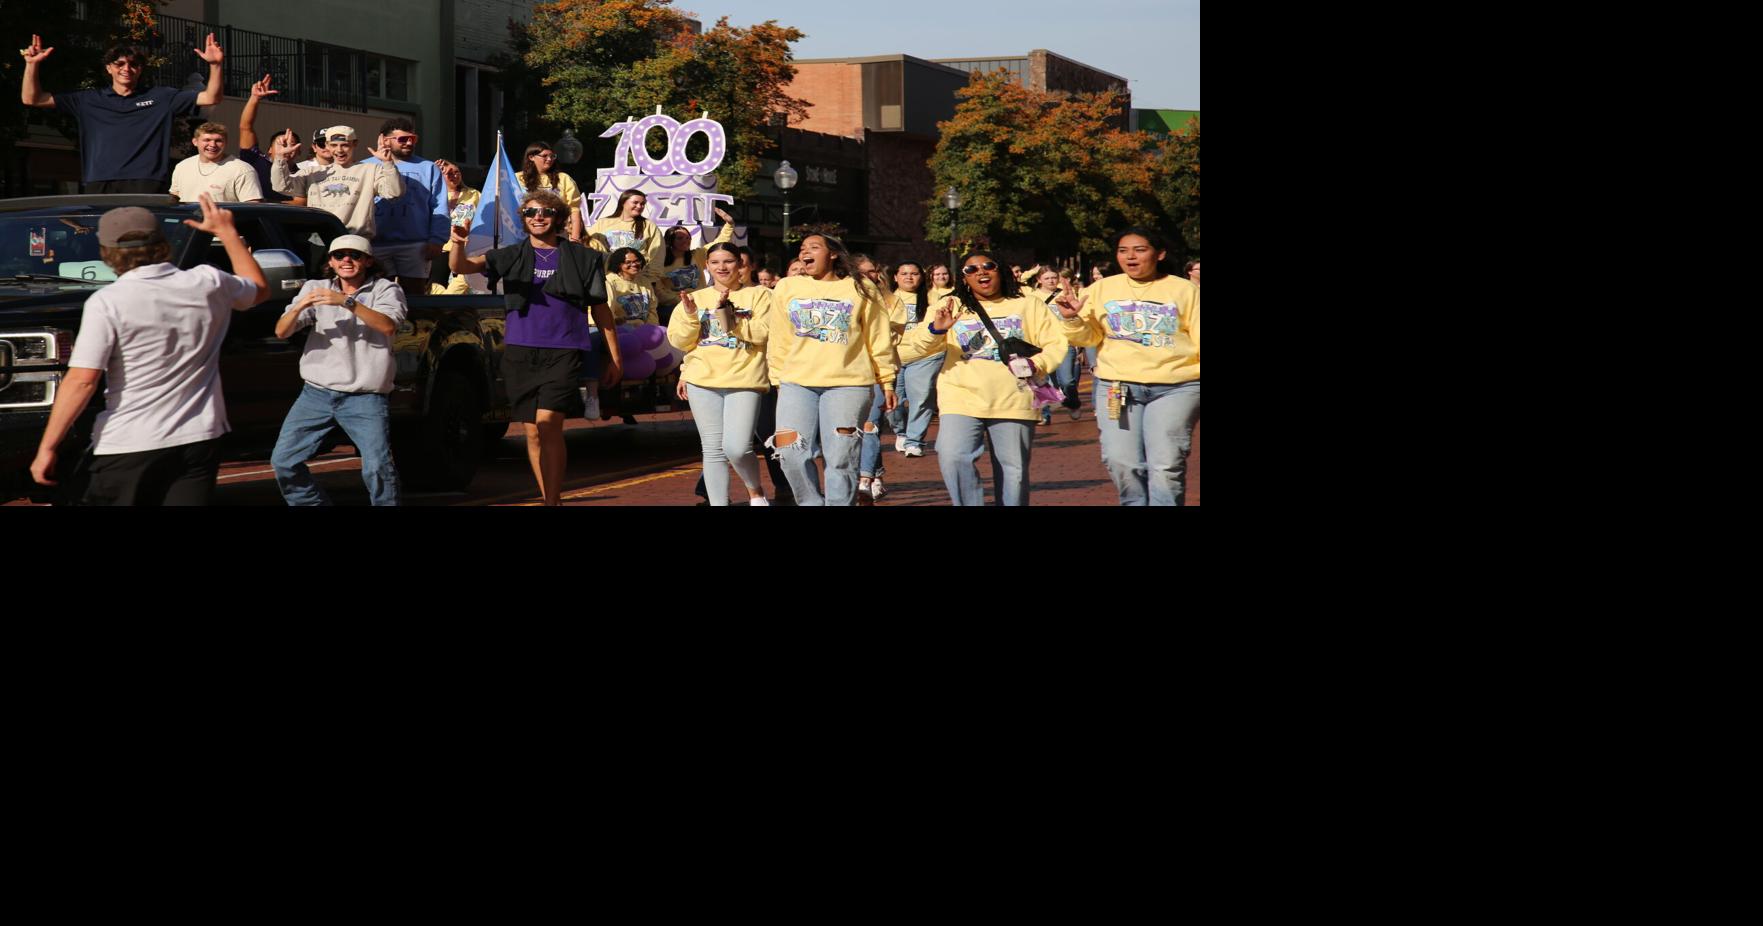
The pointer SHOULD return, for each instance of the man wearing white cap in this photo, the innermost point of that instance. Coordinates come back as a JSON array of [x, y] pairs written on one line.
[[348, 368], [344, 189], [156, 332]]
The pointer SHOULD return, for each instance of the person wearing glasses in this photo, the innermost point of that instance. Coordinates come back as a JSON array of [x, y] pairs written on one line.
[[551, 284], [538, 171], [409, 229], [348, 367], [345, 189], [981, 392], [1145, 323], [1192, 272], [321, 154], [831, 346], [125, 129]]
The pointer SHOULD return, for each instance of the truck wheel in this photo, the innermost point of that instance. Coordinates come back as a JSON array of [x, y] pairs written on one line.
[[442, 452]]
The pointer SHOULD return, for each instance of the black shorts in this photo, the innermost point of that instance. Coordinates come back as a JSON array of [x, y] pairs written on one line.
[[169, 476], [547, 378]]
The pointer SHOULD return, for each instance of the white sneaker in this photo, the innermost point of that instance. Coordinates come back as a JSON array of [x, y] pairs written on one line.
[[1076, 413], [759, 502], [913, 451], [863, 485], [592, 401], [875, 488]]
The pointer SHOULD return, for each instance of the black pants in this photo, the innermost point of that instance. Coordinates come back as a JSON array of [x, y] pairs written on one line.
[[172, 476], [128, 186], [764, 426]]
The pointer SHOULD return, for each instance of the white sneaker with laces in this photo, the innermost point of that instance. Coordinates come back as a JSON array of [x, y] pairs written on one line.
[[875, 488], [913, 451]]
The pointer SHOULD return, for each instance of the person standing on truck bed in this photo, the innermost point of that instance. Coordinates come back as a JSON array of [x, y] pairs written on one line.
[[409, 229], [209, 170], [125, 129], [156, 333], [344, 189], [348, 367], [548, 282]]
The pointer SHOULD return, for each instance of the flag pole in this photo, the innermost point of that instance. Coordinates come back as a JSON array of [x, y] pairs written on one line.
[[496, 173]]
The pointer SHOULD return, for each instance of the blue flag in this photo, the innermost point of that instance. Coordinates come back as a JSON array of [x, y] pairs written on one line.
[[497, 222]]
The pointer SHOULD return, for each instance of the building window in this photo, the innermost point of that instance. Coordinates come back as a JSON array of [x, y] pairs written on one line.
[[388, 78]]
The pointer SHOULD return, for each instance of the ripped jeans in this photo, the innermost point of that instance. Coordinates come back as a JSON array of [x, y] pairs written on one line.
[[817, 414]]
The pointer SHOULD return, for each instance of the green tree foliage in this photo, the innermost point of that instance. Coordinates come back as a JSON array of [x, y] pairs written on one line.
[[1047, 171], [79, 42], [1178, 187], [599, 62]]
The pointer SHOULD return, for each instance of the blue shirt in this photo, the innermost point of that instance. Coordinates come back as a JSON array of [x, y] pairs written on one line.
[[421, 213], [126, 137]]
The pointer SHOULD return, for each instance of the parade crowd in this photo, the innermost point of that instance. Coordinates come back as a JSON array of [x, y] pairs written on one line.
[[796, 370]]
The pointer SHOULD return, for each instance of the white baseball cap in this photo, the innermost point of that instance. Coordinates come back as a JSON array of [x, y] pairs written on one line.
[[351, 243]]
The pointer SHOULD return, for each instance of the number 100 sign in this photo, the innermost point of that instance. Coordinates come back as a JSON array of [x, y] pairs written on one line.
[[634, 135]]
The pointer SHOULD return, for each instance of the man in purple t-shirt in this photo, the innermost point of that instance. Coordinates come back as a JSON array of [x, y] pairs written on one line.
[[547, 281]]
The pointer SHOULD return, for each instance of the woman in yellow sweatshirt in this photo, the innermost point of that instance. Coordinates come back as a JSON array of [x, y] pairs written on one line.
[[538, 171], [724, 329], [1147, 323], [628, 290], [626, 228], [682, 267], [980, 392], [833, 345]]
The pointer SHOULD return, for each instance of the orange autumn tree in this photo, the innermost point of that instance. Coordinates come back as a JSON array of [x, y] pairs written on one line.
[[1042, 170], [598, 62]]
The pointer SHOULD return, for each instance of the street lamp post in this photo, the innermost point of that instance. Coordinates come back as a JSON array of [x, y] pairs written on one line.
[[952, 199], [785, 177]]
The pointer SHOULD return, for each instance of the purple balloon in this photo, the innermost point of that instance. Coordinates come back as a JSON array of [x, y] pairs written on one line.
[[653, 336], [638, 366]]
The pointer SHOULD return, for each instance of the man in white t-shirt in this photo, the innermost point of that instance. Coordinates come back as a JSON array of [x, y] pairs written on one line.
[[225, 179], [156, 334]]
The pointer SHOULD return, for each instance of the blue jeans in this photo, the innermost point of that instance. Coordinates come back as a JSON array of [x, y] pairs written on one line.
[[960, 442], [1146, 451], [918, 383], [1066, 377], [871, 464], [725, 432], [816, 413], [363, 416]]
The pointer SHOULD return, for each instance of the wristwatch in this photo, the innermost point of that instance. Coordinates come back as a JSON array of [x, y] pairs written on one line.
[[349, 303]]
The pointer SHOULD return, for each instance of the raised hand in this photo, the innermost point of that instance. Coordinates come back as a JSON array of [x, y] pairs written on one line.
[[461, 234], [725, 217], [945, 315], [215, 220], [211, 52], [383, 150], [1068, 307], [261, 88], [36, 53], [686, 300]]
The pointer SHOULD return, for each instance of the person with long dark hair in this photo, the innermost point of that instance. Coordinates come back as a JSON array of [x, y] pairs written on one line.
[[1146, 323], [682, 266], [538, 171], [870, 469], [985, 391], [832, 340], [551, 286], [724, 329], [913, 304], [1065, 375], [627, 228]]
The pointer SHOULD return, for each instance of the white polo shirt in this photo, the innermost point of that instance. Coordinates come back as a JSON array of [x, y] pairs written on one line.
[[156, 333], [230, 181]]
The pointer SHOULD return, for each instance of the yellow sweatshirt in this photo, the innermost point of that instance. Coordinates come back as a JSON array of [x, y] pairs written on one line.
[[974, 382], [830, 333], [717, 358], [1148, 332], [608, 235], [939, 293], [632, 303], [687, 277]]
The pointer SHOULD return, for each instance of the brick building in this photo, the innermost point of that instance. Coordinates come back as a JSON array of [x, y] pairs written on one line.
[[1050, 72]]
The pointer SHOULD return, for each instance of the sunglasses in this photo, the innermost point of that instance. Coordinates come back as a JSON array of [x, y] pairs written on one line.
[[972, 269], [534, 211], [403, 139], [355, 256]]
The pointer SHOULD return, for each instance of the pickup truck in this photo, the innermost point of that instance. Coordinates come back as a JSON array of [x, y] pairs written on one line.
[[448, 404]]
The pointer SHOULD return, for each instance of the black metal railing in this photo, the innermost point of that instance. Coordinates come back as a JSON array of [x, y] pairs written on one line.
[[306, 73]]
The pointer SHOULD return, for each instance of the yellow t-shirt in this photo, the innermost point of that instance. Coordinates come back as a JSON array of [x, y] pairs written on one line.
[[830, 333], [717, 358], [1146, 332]]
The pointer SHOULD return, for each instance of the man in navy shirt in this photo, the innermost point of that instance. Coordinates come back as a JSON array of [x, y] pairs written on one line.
[[125, 131]]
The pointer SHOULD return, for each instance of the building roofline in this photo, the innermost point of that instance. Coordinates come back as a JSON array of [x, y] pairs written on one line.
[[1124, 80], [876, 59]]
